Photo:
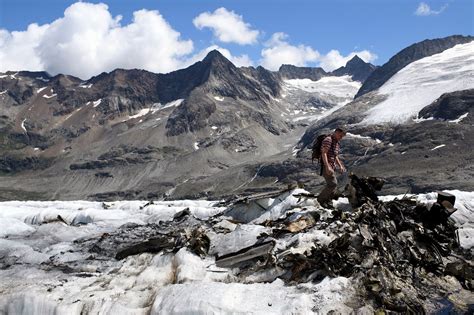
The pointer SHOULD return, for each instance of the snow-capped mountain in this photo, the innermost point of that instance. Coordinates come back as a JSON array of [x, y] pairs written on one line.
[[133, 134], [408, 55], [421, 82]]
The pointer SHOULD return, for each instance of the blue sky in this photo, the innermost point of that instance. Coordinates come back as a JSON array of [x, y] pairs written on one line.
[[259, 32]]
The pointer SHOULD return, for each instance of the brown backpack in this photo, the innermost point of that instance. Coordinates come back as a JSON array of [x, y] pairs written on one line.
[[317, 144]]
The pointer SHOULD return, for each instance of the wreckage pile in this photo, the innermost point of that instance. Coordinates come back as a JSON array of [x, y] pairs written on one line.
[[402, 256]]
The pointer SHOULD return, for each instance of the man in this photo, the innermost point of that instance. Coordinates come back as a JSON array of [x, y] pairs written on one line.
[[330, 160]]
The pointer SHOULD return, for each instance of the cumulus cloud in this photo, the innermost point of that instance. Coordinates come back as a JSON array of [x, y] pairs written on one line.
[[425, 10], [333, 60], [227, 26], [88, 40], [278, 51], [17, 49]]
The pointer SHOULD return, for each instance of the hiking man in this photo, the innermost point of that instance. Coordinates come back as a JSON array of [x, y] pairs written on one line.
[[329, 161]]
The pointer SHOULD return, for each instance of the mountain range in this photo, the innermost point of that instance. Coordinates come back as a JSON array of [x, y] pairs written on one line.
[[215, 130]]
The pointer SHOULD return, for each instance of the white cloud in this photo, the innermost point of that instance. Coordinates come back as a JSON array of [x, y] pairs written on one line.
[[227, 26], [424, 9], [17, 49], [239, 61], [278, 51], [333, 60], [88, 40]]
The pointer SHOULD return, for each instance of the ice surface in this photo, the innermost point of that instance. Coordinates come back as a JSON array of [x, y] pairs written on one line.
[[421, 82], [342, 86], [232, 298], [37, 239]]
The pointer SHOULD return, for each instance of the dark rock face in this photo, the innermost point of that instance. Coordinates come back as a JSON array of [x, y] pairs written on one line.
[[450, 106], [222, 79], [123, 156], [117, 195], [357, 68], [13, 140], [294, 72], [269, 80], [408, 55], [227, 80], [18, 90], [189, 117], [11, 165]]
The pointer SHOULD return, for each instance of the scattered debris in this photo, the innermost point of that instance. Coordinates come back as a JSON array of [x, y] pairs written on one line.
[[396, 253], [246, 254]]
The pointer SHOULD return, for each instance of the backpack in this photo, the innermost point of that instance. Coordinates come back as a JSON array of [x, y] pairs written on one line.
[[316, 155]]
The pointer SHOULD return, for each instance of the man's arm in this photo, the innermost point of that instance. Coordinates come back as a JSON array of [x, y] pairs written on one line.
[[339, 163]]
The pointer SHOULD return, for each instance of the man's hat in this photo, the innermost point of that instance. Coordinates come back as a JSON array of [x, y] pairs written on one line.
[[342, 129]]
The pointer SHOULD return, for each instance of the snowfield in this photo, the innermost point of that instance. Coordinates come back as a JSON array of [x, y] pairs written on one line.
[[37, 238], [422, 82], [342, 86]]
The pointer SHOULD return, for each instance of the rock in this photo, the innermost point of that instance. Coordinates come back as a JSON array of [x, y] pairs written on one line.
[[294, 72], [357, 68], [450, 106]]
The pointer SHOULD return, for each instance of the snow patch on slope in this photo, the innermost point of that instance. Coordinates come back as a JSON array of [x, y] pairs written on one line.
[[23, 125], [342, 87], [42, 79], [96, 103], [460, 118], [421, 82], [41, 89]]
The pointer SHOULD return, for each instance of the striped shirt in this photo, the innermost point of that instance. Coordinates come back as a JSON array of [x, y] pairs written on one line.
[[332, 146]]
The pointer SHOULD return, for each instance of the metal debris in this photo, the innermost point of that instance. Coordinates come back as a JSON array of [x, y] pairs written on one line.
[[396, 252]]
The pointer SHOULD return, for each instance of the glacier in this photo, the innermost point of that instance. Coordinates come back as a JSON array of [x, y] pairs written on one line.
[[39, 238]]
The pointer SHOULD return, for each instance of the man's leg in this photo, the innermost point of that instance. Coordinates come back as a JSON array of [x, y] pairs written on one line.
[[328, 192]]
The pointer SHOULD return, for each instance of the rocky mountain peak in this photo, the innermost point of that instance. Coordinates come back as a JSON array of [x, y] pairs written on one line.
[[356, 60], [215, 59], [357, 68], [294, 72]]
